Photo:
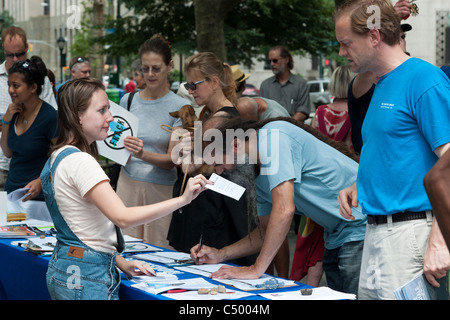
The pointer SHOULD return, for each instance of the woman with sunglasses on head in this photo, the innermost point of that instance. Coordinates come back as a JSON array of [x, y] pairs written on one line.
[[29, 127], [85, 209], [149, 175], [214, 217]]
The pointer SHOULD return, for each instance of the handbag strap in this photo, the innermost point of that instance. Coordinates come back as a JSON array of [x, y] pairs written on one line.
[[321, 119], [344, 130], [130, 99]]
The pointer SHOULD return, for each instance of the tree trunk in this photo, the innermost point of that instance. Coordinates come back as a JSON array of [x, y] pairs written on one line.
[[95, 58], [209, 24]]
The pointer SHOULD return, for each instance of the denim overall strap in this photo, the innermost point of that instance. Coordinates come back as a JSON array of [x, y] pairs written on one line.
[[64, 233]]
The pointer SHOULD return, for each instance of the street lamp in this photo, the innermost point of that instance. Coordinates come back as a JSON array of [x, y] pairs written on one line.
[[62, 56]]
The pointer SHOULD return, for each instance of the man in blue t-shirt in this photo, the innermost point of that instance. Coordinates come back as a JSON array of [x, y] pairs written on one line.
[[405, 131], [298, 174]]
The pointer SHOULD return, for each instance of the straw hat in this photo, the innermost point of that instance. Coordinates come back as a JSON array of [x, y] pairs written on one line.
[[238, 74]]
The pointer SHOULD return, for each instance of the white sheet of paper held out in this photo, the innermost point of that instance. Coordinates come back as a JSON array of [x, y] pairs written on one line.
[[225, 187]]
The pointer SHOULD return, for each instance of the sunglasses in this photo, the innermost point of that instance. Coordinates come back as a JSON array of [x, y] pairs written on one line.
[[155, 70], [79, 60], [17, 55], [26, 65], [273, 60], [193, 85]]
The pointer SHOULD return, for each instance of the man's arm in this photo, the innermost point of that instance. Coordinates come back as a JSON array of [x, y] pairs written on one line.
[[437, 185], [278, 225], [437, 257], [300, 116]]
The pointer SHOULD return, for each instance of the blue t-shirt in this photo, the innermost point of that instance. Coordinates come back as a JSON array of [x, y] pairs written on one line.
[[319, 172], [152, 114], [60, 85], [408, 117], [31, 148]]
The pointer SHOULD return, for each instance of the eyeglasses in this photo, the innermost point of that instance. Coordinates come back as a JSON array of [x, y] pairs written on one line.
[[193, 85], [17, 55], [155, 70], [79, 60]]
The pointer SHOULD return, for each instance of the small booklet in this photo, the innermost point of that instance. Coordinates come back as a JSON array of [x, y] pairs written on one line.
[[416, 289]]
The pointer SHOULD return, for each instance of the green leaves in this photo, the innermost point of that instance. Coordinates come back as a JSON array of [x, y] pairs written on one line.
[[251, 27]]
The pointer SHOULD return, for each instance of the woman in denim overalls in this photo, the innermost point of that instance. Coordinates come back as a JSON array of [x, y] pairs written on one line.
[[77, 270]]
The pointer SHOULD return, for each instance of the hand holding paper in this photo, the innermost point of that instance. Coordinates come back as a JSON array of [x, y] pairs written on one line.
[[18, 195], [225, 187]]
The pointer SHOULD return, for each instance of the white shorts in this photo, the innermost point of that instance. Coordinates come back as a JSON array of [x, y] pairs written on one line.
[[393, 254]]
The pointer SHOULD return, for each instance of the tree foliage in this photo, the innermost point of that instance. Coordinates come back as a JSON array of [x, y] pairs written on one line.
[[303, 26], [8, 21], [251, 27]]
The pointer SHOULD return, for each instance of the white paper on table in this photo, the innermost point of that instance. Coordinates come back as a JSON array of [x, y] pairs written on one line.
[[193, 295], [203, 270], [124, 124], [225, 187], [33, 208], [131, 247], [165, 257], [321, 293], [160, 277], [154, 287], [206, 270], [47, 243]]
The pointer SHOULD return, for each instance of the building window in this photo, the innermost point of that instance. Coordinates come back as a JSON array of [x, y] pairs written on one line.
[[46, 5], [442, 22]]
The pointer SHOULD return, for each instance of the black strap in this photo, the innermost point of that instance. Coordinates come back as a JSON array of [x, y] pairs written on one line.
[[130, 99], [397, 217]]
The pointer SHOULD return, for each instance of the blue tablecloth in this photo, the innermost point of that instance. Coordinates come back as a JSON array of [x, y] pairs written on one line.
[[22, 277]]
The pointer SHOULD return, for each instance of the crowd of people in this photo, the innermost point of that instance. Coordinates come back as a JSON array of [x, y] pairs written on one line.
[[369, 176]]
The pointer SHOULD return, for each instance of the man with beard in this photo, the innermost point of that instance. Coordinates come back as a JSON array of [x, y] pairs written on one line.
[[286, 88], [297, 174]]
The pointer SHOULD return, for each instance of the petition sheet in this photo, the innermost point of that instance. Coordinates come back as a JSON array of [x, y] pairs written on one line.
[[225, 187]]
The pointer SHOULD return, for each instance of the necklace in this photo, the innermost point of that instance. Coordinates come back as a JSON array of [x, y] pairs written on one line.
[[24, 121]]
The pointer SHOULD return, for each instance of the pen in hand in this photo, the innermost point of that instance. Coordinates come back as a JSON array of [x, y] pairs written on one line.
[[199, 247]]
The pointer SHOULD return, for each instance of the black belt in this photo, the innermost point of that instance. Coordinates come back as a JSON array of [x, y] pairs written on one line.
[[396, 217]]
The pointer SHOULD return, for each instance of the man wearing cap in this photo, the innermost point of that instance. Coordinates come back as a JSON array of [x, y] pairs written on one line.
[[286, 88], [15, 48], [80, 68]]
